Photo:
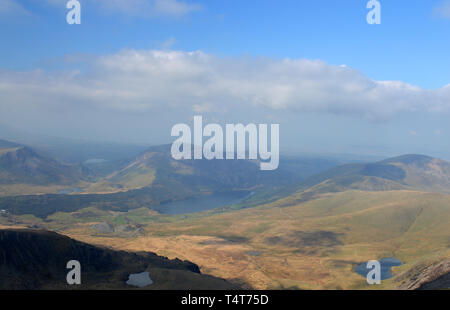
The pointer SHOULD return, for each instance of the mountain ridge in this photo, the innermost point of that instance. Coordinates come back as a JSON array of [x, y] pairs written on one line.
[[21, 164], [411, 171]]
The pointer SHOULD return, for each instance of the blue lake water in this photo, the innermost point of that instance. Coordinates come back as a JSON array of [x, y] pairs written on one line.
[[202, 203], [386, 265]]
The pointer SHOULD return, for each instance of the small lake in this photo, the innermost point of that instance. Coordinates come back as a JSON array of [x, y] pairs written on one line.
[[386, 265], [139, 279], [202, 203]]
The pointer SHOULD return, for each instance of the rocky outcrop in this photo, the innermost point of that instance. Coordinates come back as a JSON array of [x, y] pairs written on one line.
[[36, 259], [103, 227], [424, 277]]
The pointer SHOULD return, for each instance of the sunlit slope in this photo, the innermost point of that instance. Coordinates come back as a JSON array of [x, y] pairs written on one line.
[[136, 174], [312, 244], [424, 172]]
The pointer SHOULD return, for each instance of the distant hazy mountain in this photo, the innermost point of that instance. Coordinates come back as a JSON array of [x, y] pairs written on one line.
[[157, 168], [150, 179], [405, 172], [33, 259], [24, 170], [22, 165]]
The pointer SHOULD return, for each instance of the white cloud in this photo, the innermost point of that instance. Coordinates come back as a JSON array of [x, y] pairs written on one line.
[[443, 9], [137, 81]]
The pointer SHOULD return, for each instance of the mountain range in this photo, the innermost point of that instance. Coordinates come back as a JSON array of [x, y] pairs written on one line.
[[36, 184], [306, 225]]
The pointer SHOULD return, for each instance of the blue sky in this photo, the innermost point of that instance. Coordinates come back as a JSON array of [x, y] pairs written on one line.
[[410, 46]]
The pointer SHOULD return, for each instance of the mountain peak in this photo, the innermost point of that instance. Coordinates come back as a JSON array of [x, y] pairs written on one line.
[[22, 165]]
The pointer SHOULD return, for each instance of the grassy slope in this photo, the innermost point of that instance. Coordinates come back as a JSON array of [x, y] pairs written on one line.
[[311, 244]]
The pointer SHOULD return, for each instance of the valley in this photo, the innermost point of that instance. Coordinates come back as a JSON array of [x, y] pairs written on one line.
[[306, 226], [311, 245]]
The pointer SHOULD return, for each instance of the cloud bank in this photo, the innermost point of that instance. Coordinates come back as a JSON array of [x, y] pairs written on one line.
[[135, 81]]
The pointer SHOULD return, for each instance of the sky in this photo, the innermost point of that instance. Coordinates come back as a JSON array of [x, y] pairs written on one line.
[[134, 68]]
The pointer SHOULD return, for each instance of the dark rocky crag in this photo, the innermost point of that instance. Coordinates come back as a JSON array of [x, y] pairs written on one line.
[[427, 277], [36, 259]]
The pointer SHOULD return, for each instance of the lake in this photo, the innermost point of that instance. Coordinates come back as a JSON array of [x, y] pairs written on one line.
[[140, 279], [386, 265], [202, 203]]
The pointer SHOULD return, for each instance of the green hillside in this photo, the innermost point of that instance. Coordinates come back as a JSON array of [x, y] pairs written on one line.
[[307, 245]]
